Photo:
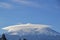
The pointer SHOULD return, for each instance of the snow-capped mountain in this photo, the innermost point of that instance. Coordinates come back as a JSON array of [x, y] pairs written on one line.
[[31, 32]]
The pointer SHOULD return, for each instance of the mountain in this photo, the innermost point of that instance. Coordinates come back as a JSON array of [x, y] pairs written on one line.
[[31, 32]]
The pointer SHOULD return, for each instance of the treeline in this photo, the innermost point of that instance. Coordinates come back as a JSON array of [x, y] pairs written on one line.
[[3, 37]]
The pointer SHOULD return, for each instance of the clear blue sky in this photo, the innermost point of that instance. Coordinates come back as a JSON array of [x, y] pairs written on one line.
[[30, 11]]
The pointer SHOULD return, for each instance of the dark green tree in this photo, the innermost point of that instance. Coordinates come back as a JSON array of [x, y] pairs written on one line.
[[3, 37], [0, 38], [24, 39]]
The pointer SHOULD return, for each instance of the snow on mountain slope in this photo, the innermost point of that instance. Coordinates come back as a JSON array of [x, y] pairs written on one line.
[[29, 28], [32, 32]]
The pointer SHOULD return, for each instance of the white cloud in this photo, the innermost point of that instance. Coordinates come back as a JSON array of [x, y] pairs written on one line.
[[5, 5], [16, 28], [28, 3]]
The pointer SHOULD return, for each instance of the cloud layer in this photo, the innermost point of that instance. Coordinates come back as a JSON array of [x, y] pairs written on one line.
[[42, 4], [15, 28], [5, 5], [19, 2], [25, 2]]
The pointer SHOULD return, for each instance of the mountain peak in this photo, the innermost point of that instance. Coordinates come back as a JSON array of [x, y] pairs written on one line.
[[31, 31], [23, 26]]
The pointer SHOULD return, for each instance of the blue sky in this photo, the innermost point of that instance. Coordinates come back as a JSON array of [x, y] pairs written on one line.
[[30, 11]]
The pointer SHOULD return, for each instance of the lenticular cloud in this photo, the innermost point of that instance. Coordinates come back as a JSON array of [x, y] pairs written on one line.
[[15, 28]]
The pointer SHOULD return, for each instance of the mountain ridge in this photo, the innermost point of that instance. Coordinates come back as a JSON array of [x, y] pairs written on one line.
[[31, 32]]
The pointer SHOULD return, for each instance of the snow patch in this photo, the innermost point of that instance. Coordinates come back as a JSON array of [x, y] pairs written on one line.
[[16, 28]]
